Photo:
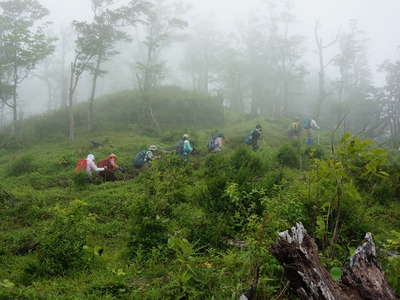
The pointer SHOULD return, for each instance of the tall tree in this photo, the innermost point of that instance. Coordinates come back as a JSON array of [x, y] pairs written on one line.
[[275, 56], [203, 55], [323, 65], [84, 54], [95, 44], [161, 26], [391, 100], [288, 54], [23, 43], [106, 31], [47, 72], [354, 84]]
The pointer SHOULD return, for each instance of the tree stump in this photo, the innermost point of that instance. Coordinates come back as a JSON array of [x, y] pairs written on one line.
[[362, 279]]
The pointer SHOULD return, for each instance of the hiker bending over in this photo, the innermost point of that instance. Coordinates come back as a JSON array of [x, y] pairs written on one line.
[[88, 165], [309, 124], [295, 129], [145, 157], [184, 147], [216, 143], [253, 137], [111, 166]]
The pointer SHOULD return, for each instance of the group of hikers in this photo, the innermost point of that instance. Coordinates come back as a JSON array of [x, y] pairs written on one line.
[[308, 125], [107, 167]]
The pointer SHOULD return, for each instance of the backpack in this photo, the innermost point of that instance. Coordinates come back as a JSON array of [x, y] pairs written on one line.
[[81, 165], [211, 144], [140, 159], [105, 163], [180, 148], [307, 123], [249, 138]]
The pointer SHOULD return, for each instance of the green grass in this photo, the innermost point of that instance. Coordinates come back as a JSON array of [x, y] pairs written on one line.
[[195, 209]]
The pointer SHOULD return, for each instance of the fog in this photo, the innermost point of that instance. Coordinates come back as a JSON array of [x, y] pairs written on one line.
[[377, 18], [232, 34]]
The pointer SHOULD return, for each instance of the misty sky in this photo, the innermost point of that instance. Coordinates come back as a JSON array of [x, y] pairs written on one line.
[[378, 18]]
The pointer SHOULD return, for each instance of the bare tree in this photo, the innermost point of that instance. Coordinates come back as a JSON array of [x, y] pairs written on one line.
[[323, 65]]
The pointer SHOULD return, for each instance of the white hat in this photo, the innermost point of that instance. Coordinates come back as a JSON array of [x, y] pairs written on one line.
[[153, 148]]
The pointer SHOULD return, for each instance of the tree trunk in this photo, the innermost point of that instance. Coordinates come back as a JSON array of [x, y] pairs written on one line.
[[93, 93], [362, 279], [14, 105], [71, 118], [2, 117], [63, 75]]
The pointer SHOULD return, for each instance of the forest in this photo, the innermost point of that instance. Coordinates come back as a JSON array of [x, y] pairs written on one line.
[[267, 139]]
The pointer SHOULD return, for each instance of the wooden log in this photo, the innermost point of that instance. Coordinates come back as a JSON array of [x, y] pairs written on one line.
[[362, 279]]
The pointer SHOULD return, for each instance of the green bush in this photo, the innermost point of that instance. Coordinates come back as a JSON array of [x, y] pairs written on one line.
[[289, 156], [62, 246], [149, 227], [22, 165], [246, 165]]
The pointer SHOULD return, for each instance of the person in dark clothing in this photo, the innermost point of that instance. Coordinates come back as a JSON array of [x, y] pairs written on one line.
[[145, 157], [253, 137]]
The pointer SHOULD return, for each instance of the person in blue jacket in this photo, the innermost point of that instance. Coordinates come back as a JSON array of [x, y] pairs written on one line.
[[185, 147]]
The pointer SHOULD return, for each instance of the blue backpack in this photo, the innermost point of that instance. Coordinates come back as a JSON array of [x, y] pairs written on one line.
[[140, 159], [307, 123], [249, 138], [211, 143]]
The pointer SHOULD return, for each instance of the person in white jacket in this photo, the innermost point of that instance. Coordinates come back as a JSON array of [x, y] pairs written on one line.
[[91, 165]]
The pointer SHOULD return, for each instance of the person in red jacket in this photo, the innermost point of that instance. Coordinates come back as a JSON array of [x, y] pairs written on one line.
[[110, 165]]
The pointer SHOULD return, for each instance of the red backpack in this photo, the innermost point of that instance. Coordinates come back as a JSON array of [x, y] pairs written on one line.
[[105, 163], [81, 165]]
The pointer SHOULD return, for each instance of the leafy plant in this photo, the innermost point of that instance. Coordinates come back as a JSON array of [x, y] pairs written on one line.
[[22, 165], [62, 246]]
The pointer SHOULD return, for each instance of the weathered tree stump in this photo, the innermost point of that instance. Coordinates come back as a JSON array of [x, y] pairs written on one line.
[[362, 279]]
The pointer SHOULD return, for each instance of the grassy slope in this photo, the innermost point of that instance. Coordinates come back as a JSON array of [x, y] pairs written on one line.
[[51, 185]]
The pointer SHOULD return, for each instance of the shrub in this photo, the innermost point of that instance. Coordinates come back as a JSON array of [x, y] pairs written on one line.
[[62, 244], [246, 165], [288, 156], [149, 227], [315, 152], [22, 165], [81, 179]]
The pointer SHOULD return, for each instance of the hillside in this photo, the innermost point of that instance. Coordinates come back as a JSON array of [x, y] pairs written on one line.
[[196, 230]]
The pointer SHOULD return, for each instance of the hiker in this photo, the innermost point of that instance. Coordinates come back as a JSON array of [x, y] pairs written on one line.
[[89, 165], [295, 129], [310, 124], [216, 143], [253, 137], [145, 157], [184, 147], [110, 163]]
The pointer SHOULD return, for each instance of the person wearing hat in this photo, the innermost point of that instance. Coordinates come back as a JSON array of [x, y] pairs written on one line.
[[110, 165], [295, 129], [184, 147], [218, 143], [145, 157], [89, 165]]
